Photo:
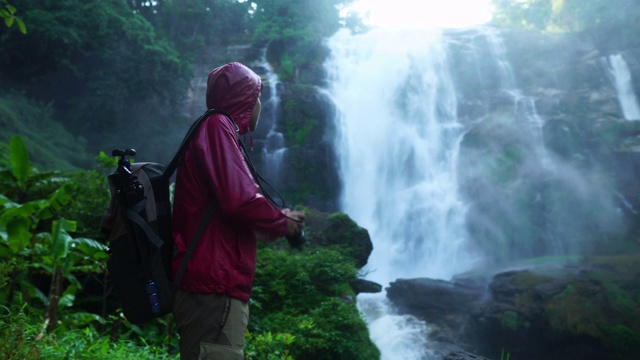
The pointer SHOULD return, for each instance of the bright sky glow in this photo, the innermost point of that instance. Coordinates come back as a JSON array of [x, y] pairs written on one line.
[[424, 13]]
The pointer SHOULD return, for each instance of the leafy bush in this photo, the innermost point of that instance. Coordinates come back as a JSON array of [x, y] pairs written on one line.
[[307, 295], [24, 338], [268, 346], [37, 257]]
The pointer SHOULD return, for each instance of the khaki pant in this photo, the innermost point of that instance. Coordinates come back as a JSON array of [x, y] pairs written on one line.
[[199, 318]]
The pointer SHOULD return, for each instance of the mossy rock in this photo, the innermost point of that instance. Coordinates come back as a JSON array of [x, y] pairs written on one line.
[[338, 230], [595, 300]]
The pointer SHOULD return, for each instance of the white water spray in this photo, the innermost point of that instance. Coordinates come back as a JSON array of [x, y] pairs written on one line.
[[398, 142], [274, 149], [621, 78]]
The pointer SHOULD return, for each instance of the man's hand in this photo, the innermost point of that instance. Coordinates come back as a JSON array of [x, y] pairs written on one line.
[[295, 222]]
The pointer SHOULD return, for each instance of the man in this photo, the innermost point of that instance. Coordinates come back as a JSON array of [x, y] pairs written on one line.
[[211, 308]]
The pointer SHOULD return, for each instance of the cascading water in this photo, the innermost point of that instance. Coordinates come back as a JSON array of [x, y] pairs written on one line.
[[398, 141], [274, 149], [525, 106], [403, 168], [620, 75], [398, 144]]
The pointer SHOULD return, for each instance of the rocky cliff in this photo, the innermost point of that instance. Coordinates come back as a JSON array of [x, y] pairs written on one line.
[[549, 166]]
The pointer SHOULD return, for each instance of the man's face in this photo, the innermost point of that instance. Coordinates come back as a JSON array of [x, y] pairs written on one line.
[[255, 114]]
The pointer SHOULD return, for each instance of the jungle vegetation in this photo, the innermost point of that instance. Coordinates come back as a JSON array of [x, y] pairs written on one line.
[[78, 77]]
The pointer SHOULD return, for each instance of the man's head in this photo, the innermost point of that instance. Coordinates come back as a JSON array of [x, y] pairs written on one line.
[[236, 89]]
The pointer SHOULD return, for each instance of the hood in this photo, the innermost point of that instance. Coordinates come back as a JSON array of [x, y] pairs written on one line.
[[234, 88]]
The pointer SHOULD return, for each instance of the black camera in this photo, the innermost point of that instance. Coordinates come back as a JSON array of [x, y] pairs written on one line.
[[297, 240]]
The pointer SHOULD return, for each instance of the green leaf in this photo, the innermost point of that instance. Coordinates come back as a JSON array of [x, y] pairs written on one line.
[[8, 21], [18, 233], [5, 252], [81, 319], [21, 26], [69, 296], [61, 239], [11, 9], [91, 248], [106, 161], [33, 291], [25, 210], [4, 13], [15, 223], [19, 157], [57, 200], [4, 200]]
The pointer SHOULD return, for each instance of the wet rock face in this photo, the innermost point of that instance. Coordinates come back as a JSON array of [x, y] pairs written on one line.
[[546, 140], [584, 309], [437, 300]]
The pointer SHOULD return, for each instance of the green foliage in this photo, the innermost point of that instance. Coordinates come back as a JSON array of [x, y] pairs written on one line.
[[622, 339], [9, 17], [504, 356], [290, 19], [286, 70], [307, 296], [23, 240], [317, 274], [195, 25], [92, 195], [606, 20], [50, 145], [21, 182], [268, 346], [533, 14], [110, 78], [19, 159], [107, 162], [23, 338], [333, 329], [298, 131], [342, 234], [297, 28], [18, 333]]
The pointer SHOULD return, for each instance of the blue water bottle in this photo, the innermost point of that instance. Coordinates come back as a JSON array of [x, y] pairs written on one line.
[[152, 292]]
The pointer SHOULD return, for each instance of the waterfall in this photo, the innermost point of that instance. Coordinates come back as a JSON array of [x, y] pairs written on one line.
[[621, 77], [274, 149], [398, 143], [525, 106]]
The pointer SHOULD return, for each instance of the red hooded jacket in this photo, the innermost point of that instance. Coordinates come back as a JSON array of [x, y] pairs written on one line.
[[212, 169]]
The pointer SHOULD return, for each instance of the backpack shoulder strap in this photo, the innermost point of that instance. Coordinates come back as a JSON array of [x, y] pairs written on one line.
[[171, 168], [192, 245], [173, 164]]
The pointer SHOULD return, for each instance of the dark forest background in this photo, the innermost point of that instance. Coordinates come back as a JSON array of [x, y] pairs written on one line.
[[99, 74]]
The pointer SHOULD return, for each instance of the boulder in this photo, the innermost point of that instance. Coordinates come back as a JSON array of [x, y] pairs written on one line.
[[339, 230], [570, 309]]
